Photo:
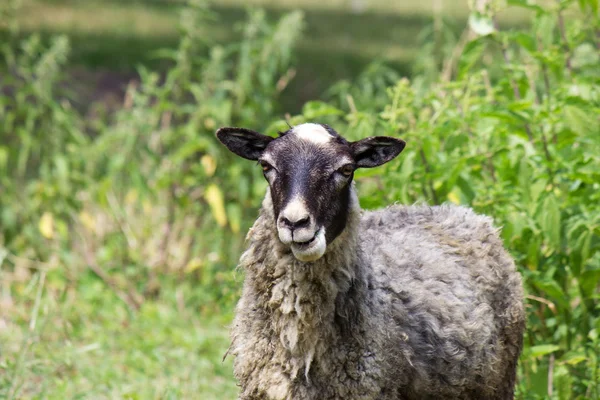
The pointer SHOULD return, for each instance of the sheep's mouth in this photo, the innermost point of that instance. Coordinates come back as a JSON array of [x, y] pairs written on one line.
[[306, 244], [310, 250]]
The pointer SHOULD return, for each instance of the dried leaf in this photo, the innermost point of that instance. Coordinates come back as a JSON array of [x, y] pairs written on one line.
[[214, 198], [46, 225]]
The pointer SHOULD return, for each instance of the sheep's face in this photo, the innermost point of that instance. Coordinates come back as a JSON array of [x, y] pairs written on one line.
[[310, 169]]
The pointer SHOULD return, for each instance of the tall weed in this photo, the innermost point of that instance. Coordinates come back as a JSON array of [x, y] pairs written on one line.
[[144, 188]]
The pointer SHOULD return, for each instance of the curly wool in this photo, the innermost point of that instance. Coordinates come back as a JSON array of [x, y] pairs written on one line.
[[409, 302]]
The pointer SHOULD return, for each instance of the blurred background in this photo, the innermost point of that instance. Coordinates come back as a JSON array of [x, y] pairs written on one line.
[[122, 218], [109, 40]]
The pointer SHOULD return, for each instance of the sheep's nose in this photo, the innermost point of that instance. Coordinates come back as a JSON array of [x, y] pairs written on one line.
[[295, 223]]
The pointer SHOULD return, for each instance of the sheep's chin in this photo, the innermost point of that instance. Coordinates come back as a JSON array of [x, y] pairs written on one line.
[[313, 251]]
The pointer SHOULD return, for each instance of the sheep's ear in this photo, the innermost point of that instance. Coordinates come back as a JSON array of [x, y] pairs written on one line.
[[244, 142], [376, 150]]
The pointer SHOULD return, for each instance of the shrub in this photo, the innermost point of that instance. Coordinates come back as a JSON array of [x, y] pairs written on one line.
[[512, 128]]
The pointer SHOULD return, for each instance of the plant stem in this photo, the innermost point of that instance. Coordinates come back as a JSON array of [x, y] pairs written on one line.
[[544, 69], [488, 86], [530, 78], [129, 297], [565, 43], [504, 48], [450, 65], [437, 32], [12, 392], [428, 171], [550, 375], [514, 85]]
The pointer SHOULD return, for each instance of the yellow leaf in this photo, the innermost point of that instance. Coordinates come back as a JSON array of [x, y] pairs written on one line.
[[209, 164], [209, 123], [193, 264], [576, 359], [46, 225], [453, 197], [234, 213], [214, 197], [147, 207], [131, 196], [87, 220]]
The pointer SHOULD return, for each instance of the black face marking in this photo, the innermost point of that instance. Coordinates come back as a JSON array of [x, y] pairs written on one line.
[[320, 174]]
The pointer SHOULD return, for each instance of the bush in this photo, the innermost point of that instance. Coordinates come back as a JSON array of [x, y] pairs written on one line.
[[511, 128]]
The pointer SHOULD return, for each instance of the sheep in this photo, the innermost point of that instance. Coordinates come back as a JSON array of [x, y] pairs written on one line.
[[407, 302]]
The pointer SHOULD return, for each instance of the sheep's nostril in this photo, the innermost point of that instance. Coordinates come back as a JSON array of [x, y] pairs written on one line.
[[285, 222], [301, 223]]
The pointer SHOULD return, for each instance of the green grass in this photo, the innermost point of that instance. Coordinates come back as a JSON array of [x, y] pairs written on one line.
[[82, 342]]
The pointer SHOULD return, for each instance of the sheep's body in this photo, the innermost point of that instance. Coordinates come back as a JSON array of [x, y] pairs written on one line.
[[403, 303], [409, 302]]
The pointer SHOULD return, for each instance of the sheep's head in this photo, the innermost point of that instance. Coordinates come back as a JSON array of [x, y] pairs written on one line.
[[310, 169]]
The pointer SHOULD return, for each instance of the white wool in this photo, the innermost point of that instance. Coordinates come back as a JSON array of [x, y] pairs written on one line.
[[313, 133]]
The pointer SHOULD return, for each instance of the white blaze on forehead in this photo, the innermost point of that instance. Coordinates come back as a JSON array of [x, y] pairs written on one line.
[[313, 133]]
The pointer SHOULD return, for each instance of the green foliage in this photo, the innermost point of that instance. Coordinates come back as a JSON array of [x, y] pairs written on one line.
[[122, 223], [123, 204], [515, 134]]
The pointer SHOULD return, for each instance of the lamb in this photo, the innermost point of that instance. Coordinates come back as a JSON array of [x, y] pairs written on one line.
[[408, 302]]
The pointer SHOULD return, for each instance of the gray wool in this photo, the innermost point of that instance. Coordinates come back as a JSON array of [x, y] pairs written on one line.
[[409, 302]]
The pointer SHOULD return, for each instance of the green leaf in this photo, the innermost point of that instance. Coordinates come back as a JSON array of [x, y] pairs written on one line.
[[552, 289], [580, 251], [62, 167], [536, 189], [466, 189], [585, 55], [581, 121], [318, 109], [470, 55], [573, 358], [544, 26], [542, 350], [590, 278], [524, 40], [3, 157], [525, 179], [526, 4], [550, 221], [234, 214], [534, 242], [563, 382]]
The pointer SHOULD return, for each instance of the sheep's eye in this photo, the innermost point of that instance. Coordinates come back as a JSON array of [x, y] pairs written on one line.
[[266, 167], [347, 170]]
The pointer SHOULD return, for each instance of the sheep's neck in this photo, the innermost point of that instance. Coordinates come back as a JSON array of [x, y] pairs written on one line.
[[307, 305]]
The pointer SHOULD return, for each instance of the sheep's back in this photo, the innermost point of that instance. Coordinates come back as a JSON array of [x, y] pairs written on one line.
[[442, 276]]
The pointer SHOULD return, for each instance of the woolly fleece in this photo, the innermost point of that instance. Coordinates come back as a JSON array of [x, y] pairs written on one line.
[[409, 302]]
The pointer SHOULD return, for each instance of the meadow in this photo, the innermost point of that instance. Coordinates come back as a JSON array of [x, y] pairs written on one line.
[[122, 218]]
